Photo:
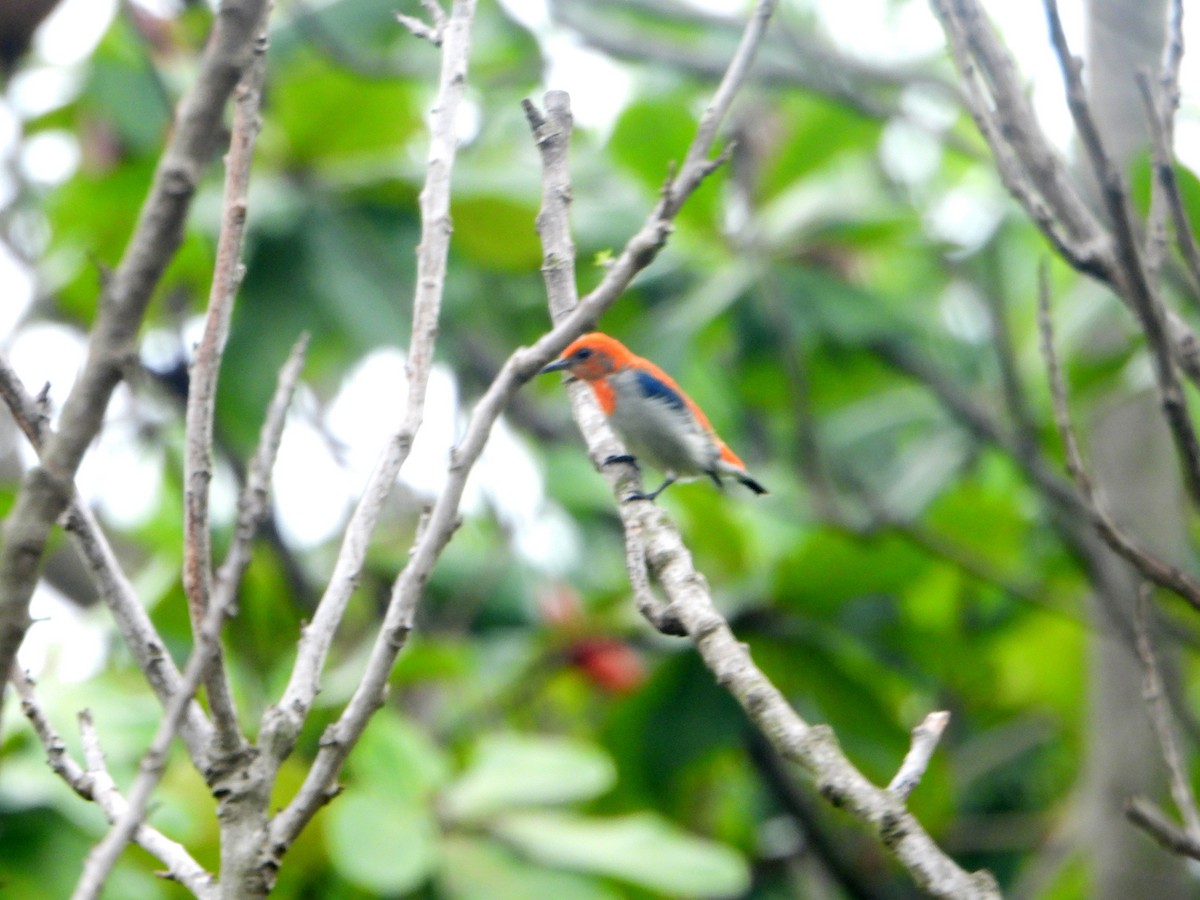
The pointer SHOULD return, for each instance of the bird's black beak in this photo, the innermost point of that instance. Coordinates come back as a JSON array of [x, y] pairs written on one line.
[[557, 366]]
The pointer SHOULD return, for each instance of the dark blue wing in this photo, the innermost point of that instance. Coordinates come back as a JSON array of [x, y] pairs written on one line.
[[656, 389]]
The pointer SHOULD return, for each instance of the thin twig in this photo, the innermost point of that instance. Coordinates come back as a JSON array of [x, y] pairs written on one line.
[[97, 785], [252, 502], [1156, 570], [202, 383], [1131, 278], [925, 738], [46, 488], [1166, 184], [433, 32], [1147, 816], [113, 586], [1159, 708]]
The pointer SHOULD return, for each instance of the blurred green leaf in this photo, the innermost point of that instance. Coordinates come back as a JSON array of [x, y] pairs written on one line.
[[381, 843], [474, 869], [643, 849], [509, 771]]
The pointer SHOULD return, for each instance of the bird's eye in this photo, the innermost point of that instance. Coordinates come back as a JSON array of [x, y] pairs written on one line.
[[583, 353]]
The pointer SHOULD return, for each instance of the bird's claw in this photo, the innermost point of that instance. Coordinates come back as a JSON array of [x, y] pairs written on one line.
[[620, 458]]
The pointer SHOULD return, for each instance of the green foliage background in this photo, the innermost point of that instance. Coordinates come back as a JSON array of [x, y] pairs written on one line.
[[522, 755]]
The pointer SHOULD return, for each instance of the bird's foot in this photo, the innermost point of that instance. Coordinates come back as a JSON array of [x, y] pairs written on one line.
[[620, 458]]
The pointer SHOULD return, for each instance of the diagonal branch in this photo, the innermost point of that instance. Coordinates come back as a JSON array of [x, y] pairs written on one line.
[[1159, 708], [202, 383], [1131, 279], [112, 584], [46, 489], [1036, 176], [551, 132], [814, 748], [96, 784], [252, 509], [281, 723], [1150, 566], [1148, 817]]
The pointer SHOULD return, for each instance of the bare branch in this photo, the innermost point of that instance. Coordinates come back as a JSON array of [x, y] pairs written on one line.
[[925, 738], [1147, 816], [282, 722], [96, 784], [434, 32], [340, 737], [46, 489], [1131, 278], [690, 602], [252, 503], [202, 383], [111, 582], [1159, 709], [1037, 177], [1151, 567]]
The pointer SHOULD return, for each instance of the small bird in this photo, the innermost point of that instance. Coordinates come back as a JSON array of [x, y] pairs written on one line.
[[657, 421]]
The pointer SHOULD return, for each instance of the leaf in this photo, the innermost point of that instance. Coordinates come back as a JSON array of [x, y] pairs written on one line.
[[323, 115], [379, 844], [396, 757], [497, 232], [643, 849], [484, 870], [513, 770]]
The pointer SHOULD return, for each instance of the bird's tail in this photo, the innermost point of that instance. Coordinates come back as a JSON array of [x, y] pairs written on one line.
[[751, 483]]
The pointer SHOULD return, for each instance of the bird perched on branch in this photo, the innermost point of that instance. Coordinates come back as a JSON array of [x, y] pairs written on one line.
[[657, 421]]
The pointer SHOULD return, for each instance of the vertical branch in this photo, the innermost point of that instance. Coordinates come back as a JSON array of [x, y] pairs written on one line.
[[252, 504], [202, 384], [282, 722], [1160, 717], [570, 318], [1150, 566], [112, 345]]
